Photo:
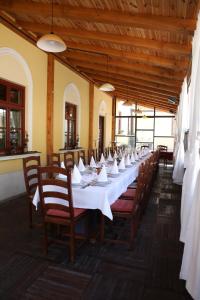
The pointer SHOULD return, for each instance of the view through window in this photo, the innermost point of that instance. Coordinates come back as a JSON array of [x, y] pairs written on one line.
[[137, 125], [12, 114]]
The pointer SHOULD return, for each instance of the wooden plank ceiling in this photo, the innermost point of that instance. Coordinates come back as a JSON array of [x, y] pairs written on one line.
[[142, 47]]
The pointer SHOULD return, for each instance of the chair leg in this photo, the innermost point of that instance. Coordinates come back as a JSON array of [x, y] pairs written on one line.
[[133, 231], [45, 239], [72, 244], [102, 222], [30, 215]]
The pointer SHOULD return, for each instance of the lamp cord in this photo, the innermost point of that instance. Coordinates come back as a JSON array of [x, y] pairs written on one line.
[[52, 16]]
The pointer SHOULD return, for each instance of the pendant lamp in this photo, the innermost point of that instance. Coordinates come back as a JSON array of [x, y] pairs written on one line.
[[107, 87], [51, 42]]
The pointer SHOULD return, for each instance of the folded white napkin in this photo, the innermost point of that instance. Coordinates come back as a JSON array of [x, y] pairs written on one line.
[[62, 165], [92, 163], [81, 166], [132, 157], [114, 169], [122, 164], [76, 176], [110, 157], [127, 160], [115, 155], [102, 160], [102, 177]]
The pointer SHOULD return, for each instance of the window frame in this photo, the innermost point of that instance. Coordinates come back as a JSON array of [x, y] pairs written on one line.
[[73, 119], [8, 105]]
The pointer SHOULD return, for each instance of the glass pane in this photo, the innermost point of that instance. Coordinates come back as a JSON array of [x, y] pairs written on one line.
[[124, 110], [164, 126], [150, 145], [2, 139], [15, 119], [169, 142], [2, 92], [144, 136], [163, 113], [15, 138], [145, 111], [145, 123], [2, 117], [15, 96], [125, 140], [125, 126]]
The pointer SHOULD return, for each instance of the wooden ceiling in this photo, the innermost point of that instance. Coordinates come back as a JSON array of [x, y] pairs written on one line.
[[142, 47]]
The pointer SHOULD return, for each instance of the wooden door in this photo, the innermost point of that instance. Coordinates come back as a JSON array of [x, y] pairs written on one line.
[[101, 135]]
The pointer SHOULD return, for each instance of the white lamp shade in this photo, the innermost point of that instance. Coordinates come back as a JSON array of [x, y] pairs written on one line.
[[51, 43], [107, 87]]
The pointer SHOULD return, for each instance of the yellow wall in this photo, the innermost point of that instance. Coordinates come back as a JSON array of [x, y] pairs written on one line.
[[11, 69], [63, 77]]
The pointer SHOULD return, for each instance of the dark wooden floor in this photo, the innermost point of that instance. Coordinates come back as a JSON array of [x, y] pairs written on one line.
[[102, 272]]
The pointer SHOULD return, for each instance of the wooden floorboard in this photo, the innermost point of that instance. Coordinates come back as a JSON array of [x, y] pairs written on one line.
[[149, 271]]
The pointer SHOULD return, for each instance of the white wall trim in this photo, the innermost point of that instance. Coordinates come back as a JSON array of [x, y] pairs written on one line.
[[11, 52], [72, 88]]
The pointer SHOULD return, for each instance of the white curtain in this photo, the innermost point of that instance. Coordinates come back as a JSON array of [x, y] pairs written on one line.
[[182, 124], [190, 206]]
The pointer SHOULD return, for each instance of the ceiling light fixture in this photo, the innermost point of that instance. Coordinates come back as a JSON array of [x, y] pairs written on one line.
[[107, 87], [51, 42]]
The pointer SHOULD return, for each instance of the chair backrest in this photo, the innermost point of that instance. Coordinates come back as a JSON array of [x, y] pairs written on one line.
[[162, 148], [57, 189], [30, 168], [53, 159], [69, 159], [81, 154], [92, 152]]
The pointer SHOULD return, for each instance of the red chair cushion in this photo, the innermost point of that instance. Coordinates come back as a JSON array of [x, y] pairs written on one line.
[[124, 206], [130, 193], [64, 214]]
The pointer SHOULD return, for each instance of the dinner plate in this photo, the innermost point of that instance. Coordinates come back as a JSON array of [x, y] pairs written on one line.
[[102, 183], [76, 184], [129, 166], [122, 170], [113, 175]]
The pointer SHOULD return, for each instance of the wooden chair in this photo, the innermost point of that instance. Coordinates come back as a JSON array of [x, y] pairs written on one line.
[[30, 169], [81, 154], [59, 213], [92, 152], [125, 209], [69, 159], [53, 159], [162, 150]]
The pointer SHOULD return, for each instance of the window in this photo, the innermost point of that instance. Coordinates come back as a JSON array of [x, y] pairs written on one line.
[[12, 112], [70, 126], [136, 125]]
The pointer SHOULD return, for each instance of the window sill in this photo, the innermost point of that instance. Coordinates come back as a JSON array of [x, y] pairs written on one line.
[[18, 156], [70, 150]]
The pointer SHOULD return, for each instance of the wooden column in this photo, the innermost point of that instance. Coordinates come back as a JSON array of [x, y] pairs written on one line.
[[50, 102], [91, 115], [113, 117]]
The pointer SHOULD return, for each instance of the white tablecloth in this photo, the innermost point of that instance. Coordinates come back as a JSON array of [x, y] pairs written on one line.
[[96, 197]]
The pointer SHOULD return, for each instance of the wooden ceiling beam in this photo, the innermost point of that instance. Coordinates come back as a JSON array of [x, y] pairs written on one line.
[[100, 16], [142, 95], [166, 47], [142, 76], [144, 58], [92, 72], [99, 59], [136, 87], [121, 96], [134, 90]]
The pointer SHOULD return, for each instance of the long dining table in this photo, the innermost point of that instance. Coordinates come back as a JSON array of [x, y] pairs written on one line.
[[95, 196]]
